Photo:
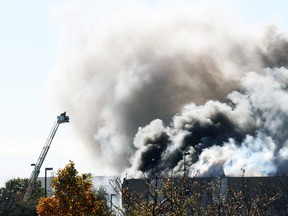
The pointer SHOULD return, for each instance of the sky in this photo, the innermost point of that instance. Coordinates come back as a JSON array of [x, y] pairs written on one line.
[[29, 46], [28, 43]]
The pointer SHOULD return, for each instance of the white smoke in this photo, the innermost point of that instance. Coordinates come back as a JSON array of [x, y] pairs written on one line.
[[121, 68], [253, 136]]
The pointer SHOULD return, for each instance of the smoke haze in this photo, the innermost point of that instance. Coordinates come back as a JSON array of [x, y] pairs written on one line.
[[144, 86]]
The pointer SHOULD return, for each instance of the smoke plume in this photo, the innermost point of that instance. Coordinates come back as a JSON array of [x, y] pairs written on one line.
[[151, 89]]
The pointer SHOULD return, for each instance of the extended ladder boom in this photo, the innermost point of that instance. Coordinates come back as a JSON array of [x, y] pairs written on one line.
[[34, 175]]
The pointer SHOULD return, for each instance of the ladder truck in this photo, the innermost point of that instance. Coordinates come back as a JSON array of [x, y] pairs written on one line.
[[62, 118]]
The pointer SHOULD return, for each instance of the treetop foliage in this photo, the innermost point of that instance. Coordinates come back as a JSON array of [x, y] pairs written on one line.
[[73, 195], [12, 198]]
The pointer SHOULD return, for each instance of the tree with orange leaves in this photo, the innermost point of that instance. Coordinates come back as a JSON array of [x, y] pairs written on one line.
[[73, 195]]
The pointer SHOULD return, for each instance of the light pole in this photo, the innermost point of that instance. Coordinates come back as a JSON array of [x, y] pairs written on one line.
[[111, 200], [184, 154], [49, 168], [153, 161]]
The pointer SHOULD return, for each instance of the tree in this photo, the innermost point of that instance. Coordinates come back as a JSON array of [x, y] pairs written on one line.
[[102, 196], [158, 196], [12, 198], [73, 195], [183, 196]]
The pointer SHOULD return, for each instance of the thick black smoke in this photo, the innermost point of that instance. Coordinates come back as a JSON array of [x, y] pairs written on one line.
[[182, 83]]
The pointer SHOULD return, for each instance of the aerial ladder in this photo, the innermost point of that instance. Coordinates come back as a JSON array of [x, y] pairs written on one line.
[[62, 118]]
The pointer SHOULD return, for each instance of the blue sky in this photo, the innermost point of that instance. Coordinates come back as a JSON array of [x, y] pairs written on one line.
[[28, 48]]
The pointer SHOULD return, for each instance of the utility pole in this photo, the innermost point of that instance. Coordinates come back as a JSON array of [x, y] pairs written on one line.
[[45, 179], [184, 169]]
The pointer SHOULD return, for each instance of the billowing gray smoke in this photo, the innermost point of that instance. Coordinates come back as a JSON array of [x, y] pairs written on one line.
[[246, 132], [186, 85]]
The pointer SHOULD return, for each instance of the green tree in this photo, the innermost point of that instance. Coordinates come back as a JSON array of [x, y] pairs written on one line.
[[101, 193], [12, 198], [73, 195]]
